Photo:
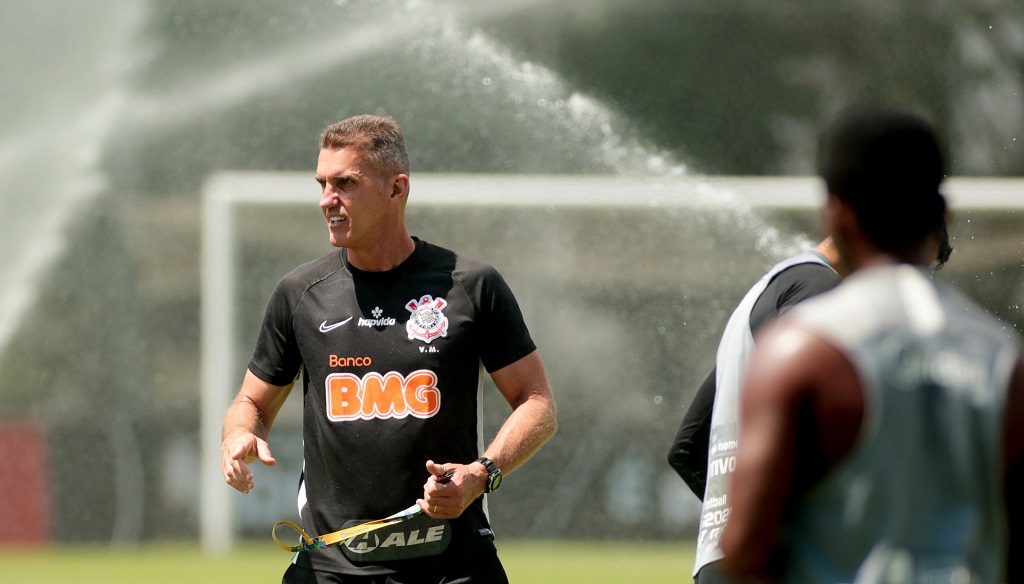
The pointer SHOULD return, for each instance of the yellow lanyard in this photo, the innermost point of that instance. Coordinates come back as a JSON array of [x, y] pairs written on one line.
[[309, 542]]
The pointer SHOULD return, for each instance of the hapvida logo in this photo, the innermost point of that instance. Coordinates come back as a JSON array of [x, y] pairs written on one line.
[[377, 320], [427, 321]]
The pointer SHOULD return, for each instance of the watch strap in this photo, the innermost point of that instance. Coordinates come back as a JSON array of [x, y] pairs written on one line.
[[493, 473]]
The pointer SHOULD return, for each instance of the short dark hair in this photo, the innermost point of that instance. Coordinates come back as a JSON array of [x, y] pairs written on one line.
[[887, 164], [380, 139]]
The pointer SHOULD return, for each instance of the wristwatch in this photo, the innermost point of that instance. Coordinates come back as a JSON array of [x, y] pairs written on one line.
[[493, 473]]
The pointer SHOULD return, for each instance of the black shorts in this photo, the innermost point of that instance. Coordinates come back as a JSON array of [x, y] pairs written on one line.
[[481, 568]]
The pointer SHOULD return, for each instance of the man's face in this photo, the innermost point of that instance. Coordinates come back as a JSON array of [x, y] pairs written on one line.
[[353, 201]]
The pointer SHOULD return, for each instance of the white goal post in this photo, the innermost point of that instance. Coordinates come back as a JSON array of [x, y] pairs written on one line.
[[226, 193]]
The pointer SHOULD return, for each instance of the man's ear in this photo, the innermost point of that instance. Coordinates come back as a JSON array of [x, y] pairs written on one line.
[[400, 186]]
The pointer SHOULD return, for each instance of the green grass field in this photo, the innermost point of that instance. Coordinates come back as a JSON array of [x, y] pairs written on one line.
[[527, 562]]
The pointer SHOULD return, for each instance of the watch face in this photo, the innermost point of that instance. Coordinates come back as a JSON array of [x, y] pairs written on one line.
[[495, 481]]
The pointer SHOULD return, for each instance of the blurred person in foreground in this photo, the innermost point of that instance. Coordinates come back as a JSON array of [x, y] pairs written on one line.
[[882, 423], [392, 334], [704, 450]]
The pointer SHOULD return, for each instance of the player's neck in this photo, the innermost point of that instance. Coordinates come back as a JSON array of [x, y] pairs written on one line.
[[828, 248], [385, 255], [918, 254]]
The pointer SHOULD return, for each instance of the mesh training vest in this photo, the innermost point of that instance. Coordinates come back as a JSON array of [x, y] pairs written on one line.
[[731, 363], [919, 499]]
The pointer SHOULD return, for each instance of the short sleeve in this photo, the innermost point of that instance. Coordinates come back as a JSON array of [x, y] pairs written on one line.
[[276, 358], [503, 335], [789, 288]]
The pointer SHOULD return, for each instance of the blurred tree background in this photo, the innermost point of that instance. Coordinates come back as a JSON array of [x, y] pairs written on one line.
[[743, 87], [731, 87]]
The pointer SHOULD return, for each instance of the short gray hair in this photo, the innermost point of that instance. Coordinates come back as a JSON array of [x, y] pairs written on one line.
[[380, 139]]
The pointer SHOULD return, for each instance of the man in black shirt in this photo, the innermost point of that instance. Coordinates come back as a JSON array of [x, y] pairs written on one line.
[[391, 335]]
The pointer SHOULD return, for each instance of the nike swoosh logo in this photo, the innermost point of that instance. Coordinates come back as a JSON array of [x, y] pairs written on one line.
[[326, 328]]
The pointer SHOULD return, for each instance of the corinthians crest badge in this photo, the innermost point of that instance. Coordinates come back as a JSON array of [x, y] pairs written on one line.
[[427, 322]]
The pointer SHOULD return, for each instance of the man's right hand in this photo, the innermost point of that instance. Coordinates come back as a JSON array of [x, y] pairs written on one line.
[[236, 453]]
